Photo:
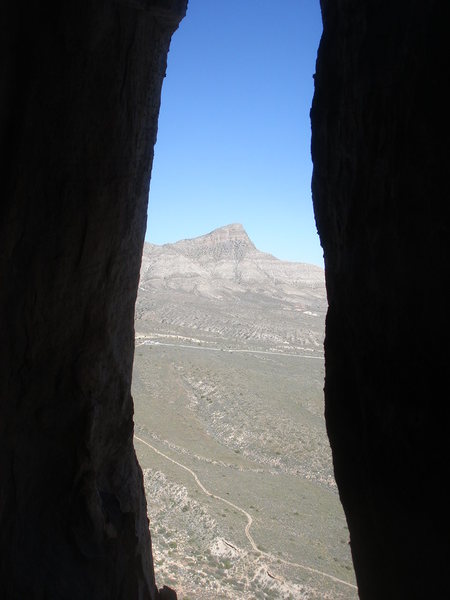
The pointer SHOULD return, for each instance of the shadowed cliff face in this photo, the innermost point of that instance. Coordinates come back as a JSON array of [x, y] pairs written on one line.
[[78, 118], [78, 109], [380, 185]]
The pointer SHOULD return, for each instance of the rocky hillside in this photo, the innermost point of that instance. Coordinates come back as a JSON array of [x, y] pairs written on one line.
[[225, 259], [220, 286]]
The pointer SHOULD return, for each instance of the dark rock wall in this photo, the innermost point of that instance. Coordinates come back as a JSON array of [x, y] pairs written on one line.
[[381, 188], [79, 103], [78, 115]]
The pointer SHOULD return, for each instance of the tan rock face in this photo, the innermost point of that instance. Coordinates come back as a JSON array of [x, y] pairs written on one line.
[[79, 117], [226, 255], [220, 284]]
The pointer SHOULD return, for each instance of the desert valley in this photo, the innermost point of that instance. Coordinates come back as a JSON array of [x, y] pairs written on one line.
[[230, 432]]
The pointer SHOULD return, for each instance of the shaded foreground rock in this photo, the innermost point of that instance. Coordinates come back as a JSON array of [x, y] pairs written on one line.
[[380, 185], [78, 109], [78, 118], [167, 593]]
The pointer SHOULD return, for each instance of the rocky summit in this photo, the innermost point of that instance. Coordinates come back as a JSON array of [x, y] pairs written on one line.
[[226, 260], [220, 284]]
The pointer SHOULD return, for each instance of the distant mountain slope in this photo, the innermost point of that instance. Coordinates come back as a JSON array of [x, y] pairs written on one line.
[[225, 259], [220, 289]]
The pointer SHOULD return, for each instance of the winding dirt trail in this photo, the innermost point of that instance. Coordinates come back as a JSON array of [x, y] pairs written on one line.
[[248, 535], [207, 492]]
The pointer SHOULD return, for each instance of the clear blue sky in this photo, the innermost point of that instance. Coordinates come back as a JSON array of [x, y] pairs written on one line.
[[234, 129]]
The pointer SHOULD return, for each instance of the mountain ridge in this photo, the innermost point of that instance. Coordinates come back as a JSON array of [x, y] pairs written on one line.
[[228, 254], [233, 232], [220, 286]]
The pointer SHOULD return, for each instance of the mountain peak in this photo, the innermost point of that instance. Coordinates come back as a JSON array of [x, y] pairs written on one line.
[[234, 231], [227, 242], [238, 227], [225, 255]]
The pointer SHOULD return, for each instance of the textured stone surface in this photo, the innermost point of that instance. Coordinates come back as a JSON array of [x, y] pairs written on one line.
[[380, 187], [78, 113], [221, 288], [78, 109], [225, 257]]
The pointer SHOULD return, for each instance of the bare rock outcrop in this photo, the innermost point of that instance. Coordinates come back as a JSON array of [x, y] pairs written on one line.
[[219, 286], [226, 256], [79, 108]]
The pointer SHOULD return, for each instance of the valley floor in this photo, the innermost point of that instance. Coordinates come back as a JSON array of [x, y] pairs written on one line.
[[232, 442]]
